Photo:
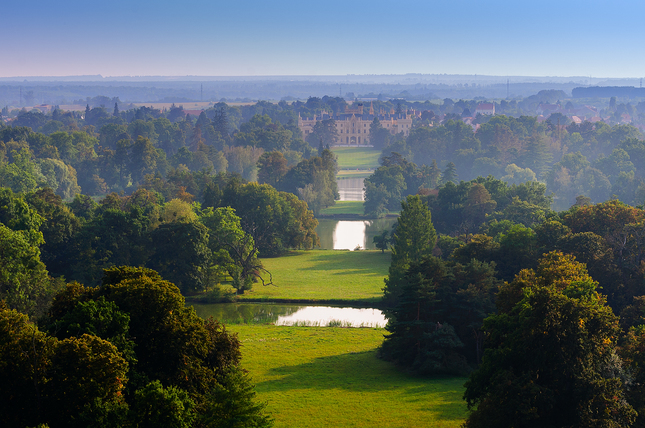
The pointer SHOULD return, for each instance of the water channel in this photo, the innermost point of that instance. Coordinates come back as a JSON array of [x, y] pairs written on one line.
[[349, 234], [334, 235], [351, 189], [285, 314]]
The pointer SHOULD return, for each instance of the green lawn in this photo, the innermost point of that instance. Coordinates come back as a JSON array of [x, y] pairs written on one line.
[[330, 377], [324, 275], [345, 207], [357, 157]]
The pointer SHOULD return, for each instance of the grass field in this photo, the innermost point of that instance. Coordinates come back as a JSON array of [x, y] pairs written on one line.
[[345, 207], [330, 377], [325, 275], [357, 157]]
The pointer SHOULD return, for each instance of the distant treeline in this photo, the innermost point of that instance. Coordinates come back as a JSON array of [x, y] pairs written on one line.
[[155, 91], [608, 92]]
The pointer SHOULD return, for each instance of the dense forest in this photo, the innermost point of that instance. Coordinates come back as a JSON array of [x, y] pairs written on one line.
[[101, 151], [125, 353], [597, 160], [544, 309]]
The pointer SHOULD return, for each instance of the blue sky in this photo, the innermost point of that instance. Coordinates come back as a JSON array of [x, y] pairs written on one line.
[[250, 37]]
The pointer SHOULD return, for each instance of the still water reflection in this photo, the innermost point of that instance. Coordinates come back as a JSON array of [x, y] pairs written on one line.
[[351, 189], [348, 234], [279, 314]]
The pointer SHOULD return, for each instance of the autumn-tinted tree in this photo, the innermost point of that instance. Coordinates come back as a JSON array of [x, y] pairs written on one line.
[[117, 345], [25, 353], [550, 357]]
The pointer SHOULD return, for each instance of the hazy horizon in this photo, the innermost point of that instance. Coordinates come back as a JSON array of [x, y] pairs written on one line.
[[333, 38]]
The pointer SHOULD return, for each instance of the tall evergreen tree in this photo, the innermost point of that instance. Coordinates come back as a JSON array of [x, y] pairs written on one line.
[[414, 238], [449, 174], [434, 174]]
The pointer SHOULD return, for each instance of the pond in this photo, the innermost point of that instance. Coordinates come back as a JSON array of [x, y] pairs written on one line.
[[349, 234], [284, 314]]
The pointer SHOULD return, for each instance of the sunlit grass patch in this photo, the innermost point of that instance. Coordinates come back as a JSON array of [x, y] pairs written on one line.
[[325, 275], [357, 157], [344, 207], [330, 377]]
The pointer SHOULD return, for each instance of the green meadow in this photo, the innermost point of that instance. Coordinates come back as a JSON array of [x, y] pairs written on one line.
[[330, 377], [324, 275], [344, 208], [357, 157]]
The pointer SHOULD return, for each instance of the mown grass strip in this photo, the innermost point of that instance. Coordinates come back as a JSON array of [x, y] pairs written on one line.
[[324, 275], [330, 377], [357, 157], [344, 208]]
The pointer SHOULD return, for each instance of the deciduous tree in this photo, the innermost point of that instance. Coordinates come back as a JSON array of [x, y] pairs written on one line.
[[550, 357]]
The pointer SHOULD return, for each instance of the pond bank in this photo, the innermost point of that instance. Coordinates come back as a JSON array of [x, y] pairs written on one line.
[[322, 277], [374, 303], [290, 314]]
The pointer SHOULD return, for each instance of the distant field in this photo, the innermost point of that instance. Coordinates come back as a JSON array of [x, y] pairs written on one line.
[[324, 275], [73, 107], [345, 207], [190, 105], [357, 157], [330, 377]]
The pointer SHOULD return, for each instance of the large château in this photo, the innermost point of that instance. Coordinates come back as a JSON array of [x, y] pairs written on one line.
[[353, 125]]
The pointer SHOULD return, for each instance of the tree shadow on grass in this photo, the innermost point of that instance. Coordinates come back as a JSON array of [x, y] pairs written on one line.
[[364, 372], [353, 262]]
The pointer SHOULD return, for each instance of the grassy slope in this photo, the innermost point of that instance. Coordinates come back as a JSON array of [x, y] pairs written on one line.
[[325, 275], [357, 158], [330, 377]]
